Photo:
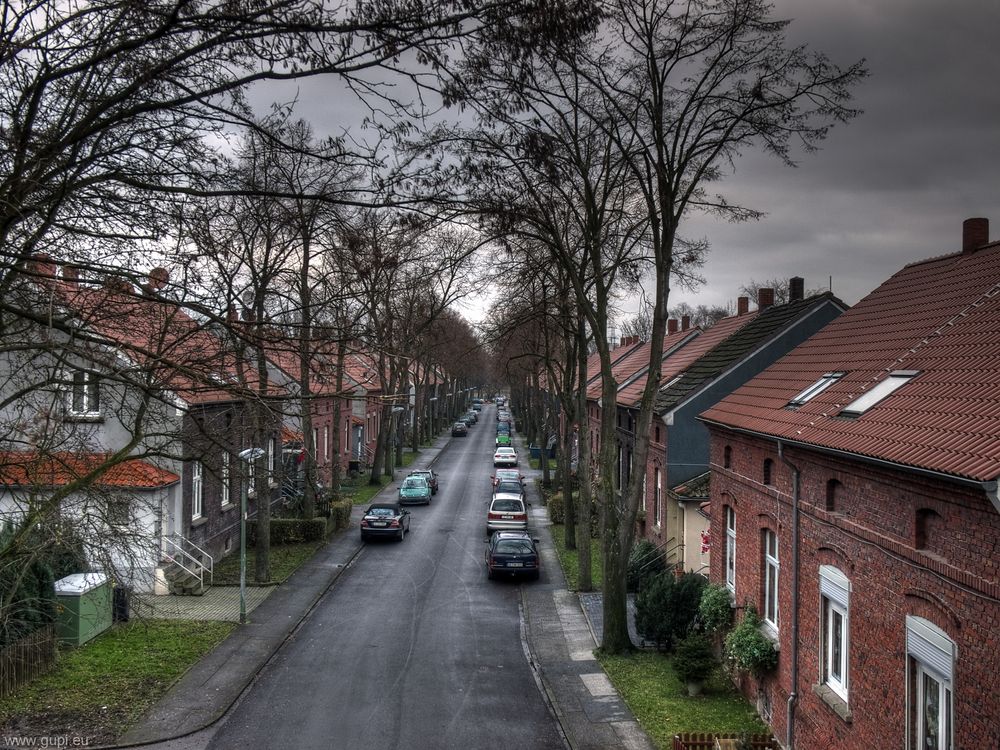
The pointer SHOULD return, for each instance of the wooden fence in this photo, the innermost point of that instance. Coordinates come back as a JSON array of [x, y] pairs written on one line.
[[710, 741], [27, 658]]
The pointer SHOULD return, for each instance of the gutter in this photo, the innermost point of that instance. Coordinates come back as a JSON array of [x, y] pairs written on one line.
[[793, 695]]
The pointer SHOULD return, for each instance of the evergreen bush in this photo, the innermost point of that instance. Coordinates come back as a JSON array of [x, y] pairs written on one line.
[[749, 649], [644, 563], [715, 611], [666, 607], [693, 660]]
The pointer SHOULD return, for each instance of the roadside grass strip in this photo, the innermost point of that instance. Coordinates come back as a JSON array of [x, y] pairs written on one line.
[[568, 559], [285, 559]]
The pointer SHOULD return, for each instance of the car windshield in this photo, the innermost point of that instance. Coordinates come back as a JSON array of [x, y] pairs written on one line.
[[382, 511], [507, 506], [514, 547], [508, 474], [508, 486], [414, 483]]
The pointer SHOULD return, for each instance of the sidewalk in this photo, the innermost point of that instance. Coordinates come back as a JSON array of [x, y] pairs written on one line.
[[558, 639]]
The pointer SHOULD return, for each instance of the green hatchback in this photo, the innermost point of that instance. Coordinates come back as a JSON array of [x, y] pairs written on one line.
[[414, 490], [503, 439]]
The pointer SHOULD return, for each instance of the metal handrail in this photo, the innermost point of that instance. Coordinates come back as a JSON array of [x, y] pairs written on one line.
[[178, 543]]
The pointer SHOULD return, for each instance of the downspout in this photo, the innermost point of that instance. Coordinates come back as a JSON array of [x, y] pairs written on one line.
[[793, 695]]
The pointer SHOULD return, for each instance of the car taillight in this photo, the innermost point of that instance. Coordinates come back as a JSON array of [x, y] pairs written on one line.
[[494, 516], [520, 517], [364, 522], [394, 523]]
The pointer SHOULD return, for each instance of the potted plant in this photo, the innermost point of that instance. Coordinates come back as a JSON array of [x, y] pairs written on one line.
[[749, 649], [693, 662]]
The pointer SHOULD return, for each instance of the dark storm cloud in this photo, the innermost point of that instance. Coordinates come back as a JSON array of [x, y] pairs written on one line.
[[894, 185]]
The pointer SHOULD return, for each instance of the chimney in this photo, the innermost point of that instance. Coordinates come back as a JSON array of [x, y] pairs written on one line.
[[975, 234], [685, 322], [71, 274], [672, 326], [158, 278], [623, 341], [232, 316], [765, 298], [742, 305], [43, 265], [796, 289]]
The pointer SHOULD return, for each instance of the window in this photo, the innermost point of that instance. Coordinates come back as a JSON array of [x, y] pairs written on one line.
[[926, 523], [657, 433], [816, 388], [730, 548], [226, 494], [727, 457], [85, 394], [768, 472], [771, 569], [835, 591], [878, 392], [197, 490], [930, 672], [270, 458], [656, 495], [119, 511], [643, 496], [621, 469], [832, 490], [315, 445]]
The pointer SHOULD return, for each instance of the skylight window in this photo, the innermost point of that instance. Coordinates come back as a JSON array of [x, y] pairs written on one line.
[[879, 391], [816, 388]]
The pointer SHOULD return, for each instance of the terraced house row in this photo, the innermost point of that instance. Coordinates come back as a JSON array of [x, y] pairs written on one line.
[[838, 470]]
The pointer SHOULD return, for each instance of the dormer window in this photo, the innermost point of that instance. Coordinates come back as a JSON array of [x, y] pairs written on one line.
[[878, 392], [816, 388]]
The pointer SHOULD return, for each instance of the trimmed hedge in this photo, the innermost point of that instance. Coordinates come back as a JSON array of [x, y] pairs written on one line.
[[291, 531], [340, 514]]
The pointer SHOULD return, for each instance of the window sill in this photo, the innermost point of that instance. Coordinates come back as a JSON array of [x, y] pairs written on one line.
[[225, 507], [199, 521], [835, 703], [93, 418], [771, 633]]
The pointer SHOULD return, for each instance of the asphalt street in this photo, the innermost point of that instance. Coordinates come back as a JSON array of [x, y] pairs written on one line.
[[412, 647]]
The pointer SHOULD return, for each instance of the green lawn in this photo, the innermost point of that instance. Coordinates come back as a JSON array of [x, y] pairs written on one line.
[[536, 463], [285, 560], [647, 682], [100, 689], [568, 559]]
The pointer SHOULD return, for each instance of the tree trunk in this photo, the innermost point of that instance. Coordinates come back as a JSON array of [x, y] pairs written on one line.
[[305, 383], [337, 469], [583, 469]]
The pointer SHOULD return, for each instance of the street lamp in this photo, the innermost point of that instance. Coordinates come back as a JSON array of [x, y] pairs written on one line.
[[250, 455]]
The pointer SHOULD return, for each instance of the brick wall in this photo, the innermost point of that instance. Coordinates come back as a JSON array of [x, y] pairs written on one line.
[[945, 572]]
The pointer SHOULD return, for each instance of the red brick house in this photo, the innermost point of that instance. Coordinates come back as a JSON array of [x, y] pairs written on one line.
[[854, 504]]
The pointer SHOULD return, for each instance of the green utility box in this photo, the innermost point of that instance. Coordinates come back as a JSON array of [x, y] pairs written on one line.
[[83, 607]]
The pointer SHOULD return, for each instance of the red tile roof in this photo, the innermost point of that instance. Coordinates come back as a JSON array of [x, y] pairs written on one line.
[[59, 469], [631, 360], [940, 317]]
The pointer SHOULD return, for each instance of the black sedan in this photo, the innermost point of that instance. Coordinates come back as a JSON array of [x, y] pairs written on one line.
[[385, 520], [512, 553], [459, 429]]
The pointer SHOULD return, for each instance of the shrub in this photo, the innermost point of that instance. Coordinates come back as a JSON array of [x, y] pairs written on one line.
[[715, 611], [557, 513], [693, 660], [340, 513], [666, 607], [290, 531], [749, 649], [644, 563]]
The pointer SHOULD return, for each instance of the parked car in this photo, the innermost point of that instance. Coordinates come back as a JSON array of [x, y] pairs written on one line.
[[477, 407], [385, 520], [503, 427], [503, 438], [467, 420], [505, 456], [430, 476], [414, 490], [471, 414], [506, 512], [459, 429], [507, 474], [512, 553], [509, 487]]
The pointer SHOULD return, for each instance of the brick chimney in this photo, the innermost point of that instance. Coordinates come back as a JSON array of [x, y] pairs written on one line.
[[672, 326], [765, 298], [623, 341], [685, 322], [43, 265], [796, 289], [742, 305], [975, 234]]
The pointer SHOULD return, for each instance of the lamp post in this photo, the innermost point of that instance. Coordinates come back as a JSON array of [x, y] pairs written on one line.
[[250, 455]]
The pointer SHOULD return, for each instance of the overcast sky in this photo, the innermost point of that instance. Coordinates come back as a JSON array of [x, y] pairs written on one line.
[[891, 187], [894, 185]]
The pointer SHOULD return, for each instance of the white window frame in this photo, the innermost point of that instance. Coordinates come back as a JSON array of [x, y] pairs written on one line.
[[326, 442], [835, 592], [197, 490], [772, 569], [816, 388], [643, 506], [226, 494], [270, 458], [315, 450], [931, 655], [731, 548], [89, 390], [878, 392], [657, 479]]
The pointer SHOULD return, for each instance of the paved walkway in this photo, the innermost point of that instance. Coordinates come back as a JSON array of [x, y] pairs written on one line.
[[217, 603], [558, 639]]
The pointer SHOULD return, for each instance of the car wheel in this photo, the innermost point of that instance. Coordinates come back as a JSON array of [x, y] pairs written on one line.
[[364, 538], [534, 576], [402, 533]]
